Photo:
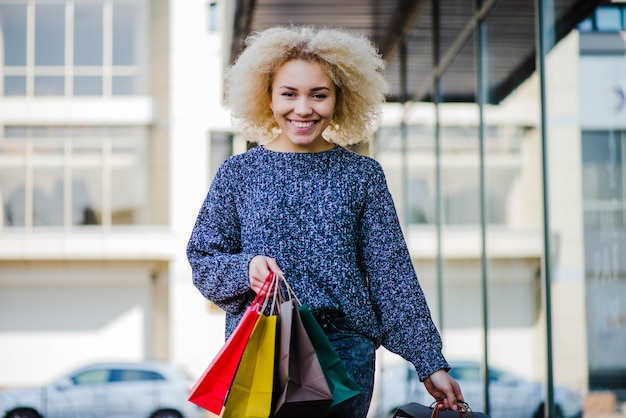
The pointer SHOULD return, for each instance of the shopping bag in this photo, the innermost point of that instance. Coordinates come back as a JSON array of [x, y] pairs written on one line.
[[416, 410], [341, 384], [250, 395], [301, 387], [210, 390]]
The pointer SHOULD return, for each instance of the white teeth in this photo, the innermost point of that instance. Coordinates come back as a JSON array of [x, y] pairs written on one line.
[[299, 124]]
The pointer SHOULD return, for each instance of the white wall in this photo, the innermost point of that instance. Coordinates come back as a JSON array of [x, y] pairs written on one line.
[[196, 110], [57, 316]]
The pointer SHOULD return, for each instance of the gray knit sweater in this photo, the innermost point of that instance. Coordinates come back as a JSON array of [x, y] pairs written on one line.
[[329, 220]]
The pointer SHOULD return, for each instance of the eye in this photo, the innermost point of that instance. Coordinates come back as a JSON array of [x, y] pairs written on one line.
[[288, 94], [320, 96]]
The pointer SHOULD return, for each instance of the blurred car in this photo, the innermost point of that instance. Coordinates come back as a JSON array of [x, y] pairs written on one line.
[[148, 389], [510, 396]]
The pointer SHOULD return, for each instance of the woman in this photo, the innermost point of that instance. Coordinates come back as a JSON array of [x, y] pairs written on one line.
[[305, 207]]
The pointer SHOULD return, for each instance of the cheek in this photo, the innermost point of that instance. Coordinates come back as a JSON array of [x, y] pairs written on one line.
[[278, 105], [328, 110]]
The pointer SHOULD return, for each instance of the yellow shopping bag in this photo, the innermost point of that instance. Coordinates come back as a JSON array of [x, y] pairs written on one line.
[[250, 395]]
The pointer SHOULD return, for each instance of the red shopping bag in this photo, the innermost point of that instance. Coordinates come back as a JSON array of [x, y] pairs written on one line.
[[210, 390]]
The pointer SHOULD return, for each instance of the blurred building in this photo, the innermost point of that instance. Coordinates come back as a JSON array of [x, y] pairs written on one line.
[[110, 113], [111, 127]]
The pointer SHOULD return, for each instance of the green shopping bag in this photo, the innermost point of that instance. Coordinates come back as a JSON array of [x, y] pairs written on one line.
[[250, 395], [341, 384]]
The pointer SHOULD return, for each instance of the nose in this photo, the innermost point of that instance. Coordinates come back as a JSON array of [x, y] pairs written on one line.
[[303, 107]]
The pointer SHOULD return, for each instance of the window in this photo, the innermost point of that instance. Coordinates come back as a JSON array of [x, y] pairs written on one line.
[[611, 18], [88, 36], [13, 24], [73, 48], [92, 377], [212, 16], [131, 375], [49, 35], [73, 176], [586, 25], [603, 154]]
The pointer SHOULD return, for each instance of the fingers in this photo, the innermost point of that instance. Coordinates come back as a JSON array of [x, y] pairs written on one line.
[[259, 268], [445, 389], [451, 399], [457, 391]]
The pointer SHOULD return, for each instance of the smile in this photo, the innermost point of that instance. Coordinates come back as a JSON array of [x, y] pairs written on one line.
[[301, 124]]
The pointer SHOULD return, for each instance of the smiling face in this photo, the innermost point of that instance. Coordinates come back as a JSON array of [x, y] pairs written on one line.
[[303, 102]]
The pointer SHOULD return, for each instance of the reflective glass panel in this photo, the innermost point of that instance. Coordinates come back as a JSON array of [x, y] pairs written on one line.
[[128, 177], [459, 143], [12, 194], [87, 196], [454, 16], [586, 282], [13, 27], [609, 19], [604, 203], [213, 16], [87, 86], [603, 178], [586, 25], [88, 34], [126, 34], [14, 85], [48, 196], [88, 145], [421, 193], [512, 139], [49, 85], [124, 85], [49, 34]]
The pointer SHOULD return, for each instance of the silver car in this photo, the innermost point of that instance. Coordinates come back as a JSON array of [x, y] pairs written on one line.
[[510, 396], [149, 389]]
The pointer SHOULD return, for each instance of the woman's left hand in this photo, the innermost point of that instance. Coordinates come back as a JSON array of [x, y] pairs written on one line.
[[444, 388]]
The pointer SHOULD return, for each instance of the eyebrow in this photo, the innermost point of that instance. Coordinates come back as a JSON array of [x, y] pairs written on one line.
[[313, 89]]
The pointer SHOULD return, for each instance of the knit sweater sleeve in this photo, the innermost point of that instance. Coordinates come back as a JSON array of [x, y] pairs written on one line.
[[219, 268], [407, 326]]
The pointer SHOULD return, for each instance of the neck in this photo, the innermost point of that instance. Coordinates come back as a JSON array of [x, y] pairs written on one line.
[[279, 145]]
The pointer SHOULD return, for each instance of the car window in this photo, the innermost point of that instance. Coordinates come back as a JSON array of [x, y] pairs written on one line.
[[91, 377], [474, 374], [135, 375], [495, 375], [466, 373]]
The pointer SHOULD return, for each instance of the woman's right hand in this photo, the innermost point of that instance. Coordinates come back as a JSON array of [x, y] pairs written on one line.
[[258, 270]]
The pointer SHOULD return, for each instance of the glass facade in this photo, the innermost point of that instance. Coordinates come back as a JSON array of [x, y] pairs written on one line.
[[64, 174], [72, 176], [73, 48], [502, 157]]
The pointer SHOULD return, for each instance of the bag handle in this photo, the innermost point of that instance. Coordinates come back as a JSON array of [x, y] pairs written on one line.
[[278, 293], [291, 293], [260, 300], [463, 409]]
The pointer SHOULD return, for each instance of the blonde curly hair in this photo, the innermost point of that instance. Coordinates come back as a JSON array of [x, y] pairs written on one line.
[[351, 61]]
